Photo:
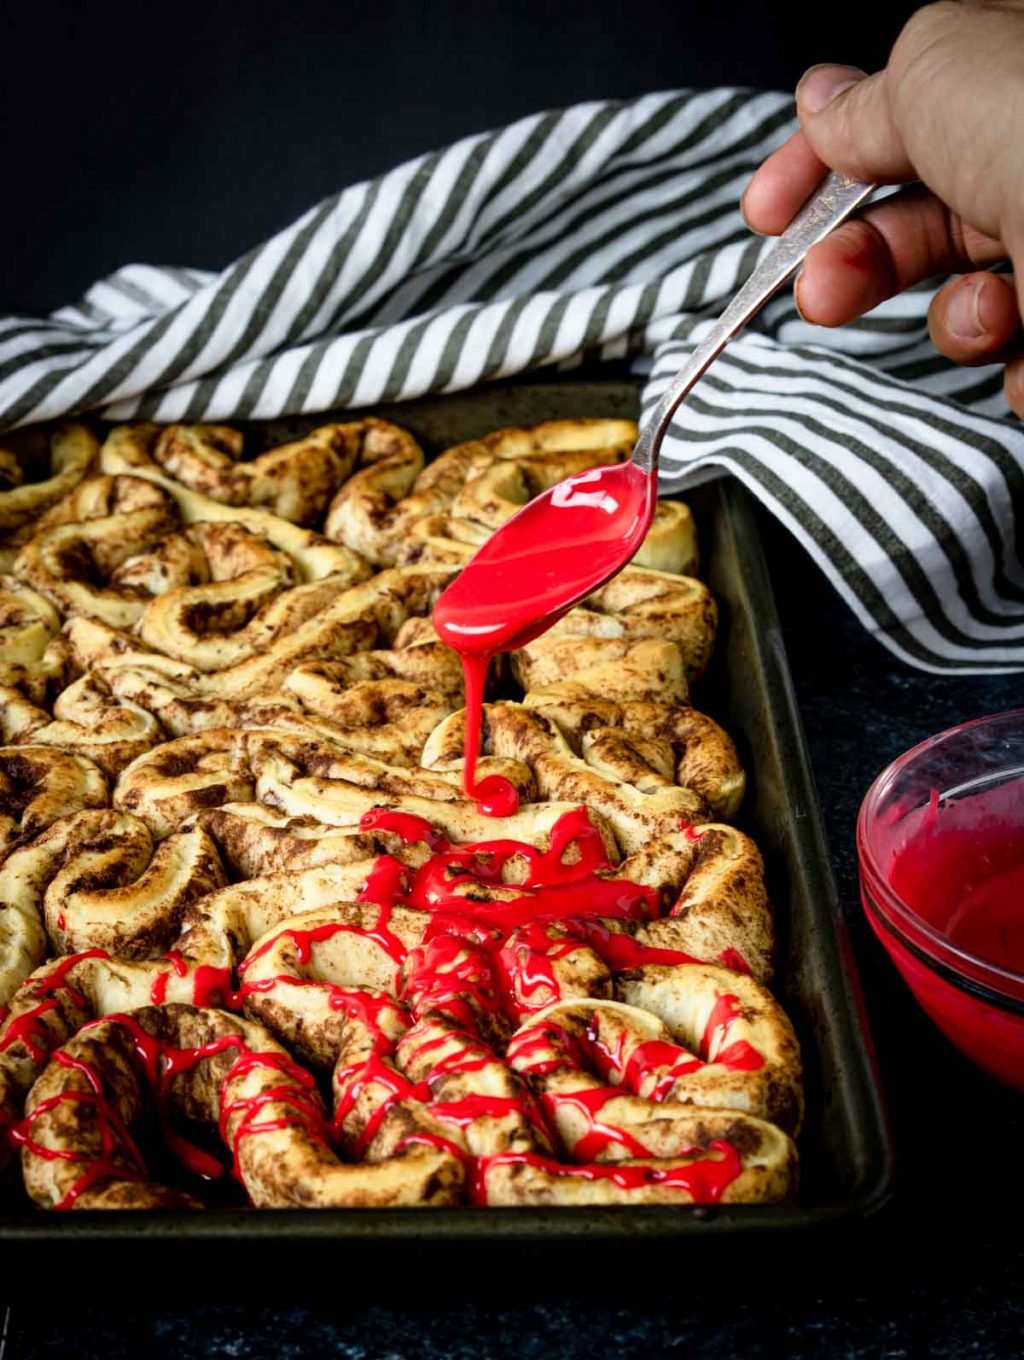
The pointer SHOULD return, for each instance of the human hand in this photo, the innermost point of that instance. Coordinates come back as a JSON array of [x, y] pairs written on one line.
[[947, 110]]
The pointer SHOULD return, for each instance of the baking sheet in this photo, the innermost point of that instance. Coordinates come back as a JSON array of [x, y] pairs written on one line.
[[846, 1155]]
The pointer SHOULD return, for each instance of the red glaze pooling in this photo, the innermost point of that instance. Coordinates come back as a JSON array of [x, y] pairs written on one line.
[[387, 881], [210, 986], [496, 796], [550, 889], [732, 958], [960, 867]]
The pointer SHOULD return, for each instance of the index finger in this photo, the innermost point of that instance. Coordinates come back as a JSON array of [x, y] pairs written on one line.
[[781, 186]]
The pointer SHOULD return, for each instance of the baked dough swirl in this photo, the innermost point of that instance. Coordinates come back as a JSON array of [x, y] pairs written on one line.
[[39, 784], [87, 720], [411, 1024], [294, 481], [38, 468], [97, 880]]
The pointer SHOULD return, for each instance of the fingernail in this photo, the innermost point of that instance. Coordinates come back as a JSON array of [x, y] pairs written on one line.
[[963, 313], [796, 295], [820, 85]]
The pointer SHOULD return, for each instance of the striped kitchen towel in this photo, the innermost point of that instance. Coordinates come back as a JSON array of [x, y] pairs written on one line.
[[606, 230]]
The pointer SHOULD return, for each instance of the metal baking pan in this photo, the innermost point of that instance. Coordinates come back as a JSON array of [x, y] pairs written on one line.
[[846, 1156]]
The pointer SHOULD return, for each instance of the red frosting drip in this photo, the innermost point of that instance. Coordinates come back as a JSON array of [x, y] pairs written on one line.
[[732, 958], [705, 1179], [462, 1112], [452, 977], [600, 1136], [739, 1056], [161, 1063], [28, 1026], [299, 1093], [304, 940], [495, 796], [351, 1082], [405, 825], [548, 1047], [114, 1136], [549, 888], [480, 958]]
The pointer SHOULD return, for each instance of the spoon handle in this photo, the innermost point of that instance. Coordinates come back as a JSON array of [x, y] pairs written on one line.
[[831, 203]]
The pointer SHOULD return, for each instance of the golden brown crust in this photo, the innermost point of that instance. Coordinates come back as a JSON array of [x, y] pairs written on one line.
[[38, 785], [294, 481], [88, 720], [93, 561], [38, 468]]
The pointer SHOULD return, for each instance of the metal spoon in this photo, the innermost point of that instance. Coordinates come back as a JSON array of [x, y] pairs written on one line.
[[566, 542], [832, 202]]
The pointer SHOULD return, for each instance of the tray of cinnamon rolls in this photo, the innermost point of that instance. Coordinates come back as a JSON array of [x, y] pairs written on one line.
[[259, 950]]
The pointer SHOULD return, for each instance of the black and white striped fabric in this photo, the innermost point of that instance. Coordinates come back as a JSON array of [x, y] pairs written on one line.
[[607, 230]]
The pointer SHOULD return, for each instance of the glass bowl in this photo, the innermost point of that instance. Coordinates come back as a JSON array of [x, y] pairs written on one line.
[[940, 840]]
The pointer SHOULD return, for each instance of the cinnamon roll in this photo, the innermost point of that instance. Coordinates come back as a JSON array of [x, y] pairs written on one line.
[[38, 785], [294, 481], [38, 467]]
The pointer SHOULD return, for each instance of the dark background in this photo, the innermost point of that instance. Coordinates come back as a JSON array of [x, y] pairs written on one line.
[[183, 133]]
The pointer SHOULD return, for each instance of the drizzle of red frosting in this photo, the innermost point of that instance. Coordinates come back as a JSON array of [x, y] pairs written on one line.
[[161, 1063], [114, 1136], [495, 796], [298, 1093], [211, 986], [548, 888], [478, 957], [705, 1179], [28, 1026]]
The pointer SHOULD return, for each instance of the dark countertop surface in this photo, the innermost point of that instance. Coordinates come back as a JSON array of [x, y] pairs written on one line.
[[936, 1273]]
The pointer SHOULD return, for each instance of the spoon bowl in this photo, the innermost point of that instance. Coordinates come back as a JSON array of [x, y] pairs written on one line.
[[553, 553]]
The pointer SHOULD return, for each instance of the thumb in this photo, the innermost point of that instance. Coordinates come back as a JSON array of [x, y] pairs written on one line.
[[846, 117]]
